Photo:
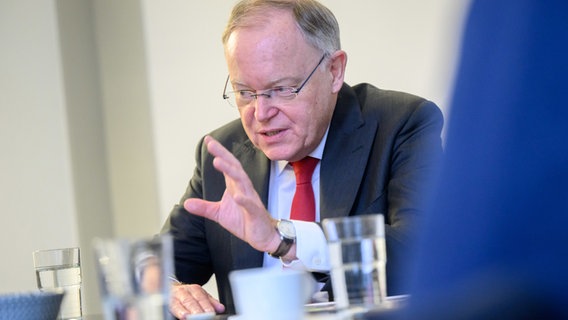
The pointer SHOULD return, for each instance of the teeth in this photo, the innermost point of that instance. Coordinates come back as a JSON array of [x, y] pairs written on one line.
[[272, 133]]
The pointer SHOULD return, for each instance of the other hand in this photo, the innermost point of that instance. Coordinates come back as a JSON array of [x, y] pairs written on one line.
[[189, 299]]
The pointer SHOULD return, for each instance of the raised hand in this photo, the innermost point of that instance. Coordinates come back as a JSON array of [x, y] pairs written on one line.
[[240, 210]]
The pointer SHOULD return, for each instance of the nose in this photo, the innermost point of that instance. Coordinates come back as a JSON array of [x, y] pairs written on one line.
[[264, 108]]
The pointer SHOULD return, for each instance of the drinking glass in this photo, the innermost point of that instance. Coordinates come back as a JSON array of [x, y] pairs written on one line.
[[358, 260], [60, 269], [134, 277]]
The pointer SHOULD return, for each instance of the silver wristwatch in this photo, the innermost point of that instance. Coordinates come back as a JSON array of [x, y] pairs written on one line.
[[288, 236]]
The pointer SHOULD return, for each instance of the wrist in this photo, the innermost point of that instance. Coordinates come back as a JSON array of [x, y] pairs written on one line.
[[275, 238], [290, 256], [286, 239]]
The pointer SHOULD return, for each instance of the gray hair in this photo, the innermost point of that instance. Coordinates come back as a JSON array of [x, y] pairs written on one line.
[[315, 21]]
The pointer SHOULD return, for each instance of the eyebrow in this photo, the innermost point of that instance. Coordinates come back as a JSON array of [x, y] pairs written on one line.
[[271, 84]]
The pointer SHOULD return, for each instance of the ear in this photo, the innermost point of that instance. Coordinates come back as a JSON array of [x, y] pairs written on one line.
[[337, 68]]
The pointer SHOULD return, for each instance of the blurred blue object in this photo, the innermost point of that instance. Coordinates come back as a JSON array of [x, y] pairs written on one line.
[[494, 245], [30, 305]]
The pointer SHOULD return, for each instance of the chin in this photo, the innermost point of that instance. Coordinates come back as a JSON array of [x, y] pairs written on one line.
[[279, 150], [276, 154]]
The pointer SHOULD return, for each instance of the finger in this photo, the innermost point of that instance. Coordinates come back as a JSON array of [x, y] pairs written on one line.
[[219, 307], [191, 299], [203, 208], [178, 294], [217, 149], [178, 310], [199, 301], [237, 181], [225, 161]]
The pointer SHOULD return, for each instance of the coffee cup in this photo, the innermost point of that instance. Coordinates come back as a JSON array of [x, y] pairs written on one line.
[[271, 293]]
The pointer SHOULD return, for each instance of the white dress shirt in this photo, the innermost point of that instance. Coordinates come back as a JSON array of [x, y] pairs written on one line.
[[311, 246]]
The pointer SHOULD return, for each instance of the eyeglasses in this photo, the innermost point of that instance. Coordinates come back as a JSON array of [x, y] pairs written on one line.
[[242, 98]]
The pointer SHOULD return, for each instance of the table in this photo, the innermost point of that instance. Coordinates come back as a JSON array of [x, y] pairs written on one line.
[[388, 310]]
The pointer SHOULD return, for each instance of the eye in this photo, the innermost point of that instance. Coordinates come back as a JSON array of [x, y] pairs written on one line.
[[245, 94], [283, 91]]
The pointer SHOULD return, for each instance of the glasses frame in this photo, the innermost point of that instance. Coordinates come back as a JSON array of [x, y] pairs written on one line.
[[269, 92]]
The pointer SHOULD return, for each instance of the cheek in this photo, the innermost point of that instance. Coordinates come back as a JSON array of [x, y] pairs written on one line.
[[246, 114], [247, 118], [318, 115]]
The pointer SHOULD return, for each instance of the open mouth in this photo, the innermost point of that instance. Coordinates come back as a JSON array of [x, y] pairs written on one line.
[[271, 133]]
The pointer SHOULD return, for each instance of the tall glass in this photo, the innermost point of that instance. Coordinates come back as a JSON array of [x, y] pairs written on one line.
[[358, 260], [134, 277], [60, 269]]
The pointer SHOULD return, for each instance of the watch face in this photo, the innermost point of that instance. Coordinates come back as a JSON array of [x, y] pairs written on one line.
[[287, 229]]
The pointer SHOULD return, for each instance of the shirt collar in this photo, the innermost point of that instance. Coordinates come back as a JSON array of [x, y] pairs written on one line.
[[316, 153]]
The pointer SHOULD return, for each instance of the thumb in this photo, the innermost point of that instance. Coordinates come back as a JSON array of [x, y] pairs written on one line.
[[203, 208], [218, 306]]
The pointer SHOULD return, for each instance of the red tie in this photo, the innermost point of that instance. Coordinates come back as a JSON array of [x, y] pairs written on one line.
[[304, 204]]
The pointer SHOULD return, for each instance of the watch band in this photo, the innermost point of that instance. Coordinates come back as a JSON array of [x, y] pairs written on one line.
[[283, 248]]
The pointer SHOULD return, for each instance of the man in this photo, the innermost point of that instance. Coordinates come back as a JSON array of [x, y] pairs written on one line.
[[377, 149]]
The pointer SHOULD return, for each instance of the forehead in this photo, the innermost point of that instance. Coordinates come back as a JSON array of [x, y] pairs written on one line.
[[266, 39]]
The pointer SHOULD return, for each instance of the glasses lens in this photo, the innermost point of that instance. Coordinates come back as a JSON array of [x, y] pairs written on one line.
[[230, 97], [279, 95], [284, 93], [239, 98]]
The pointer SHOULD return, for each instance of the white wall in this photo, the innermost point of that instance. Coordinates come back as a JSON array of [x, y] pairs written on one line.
[[102, 103], [37, 205], [53, 180], [187, 73]]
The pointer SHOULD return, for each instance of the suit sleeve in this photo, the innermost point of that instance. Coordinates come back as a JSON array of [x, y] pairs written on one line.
[[416, 155], [191, 253]]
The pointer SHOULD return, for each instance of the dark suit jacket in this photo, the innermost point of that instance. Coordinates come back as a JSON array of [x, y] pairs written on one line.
[[381, 149]]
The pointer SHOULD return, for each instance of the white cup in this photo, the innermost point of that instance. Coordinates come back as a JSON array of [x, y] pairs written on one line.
[[271, 293]]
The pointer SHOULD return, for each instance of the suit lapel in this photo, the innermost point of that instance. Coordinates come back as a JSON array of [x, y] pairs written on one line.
[[256, 165], [345, 156]]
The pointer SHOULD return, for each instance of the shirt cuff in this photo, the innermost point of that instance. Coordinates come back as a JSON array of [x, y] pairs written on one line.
[[311, 248]]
